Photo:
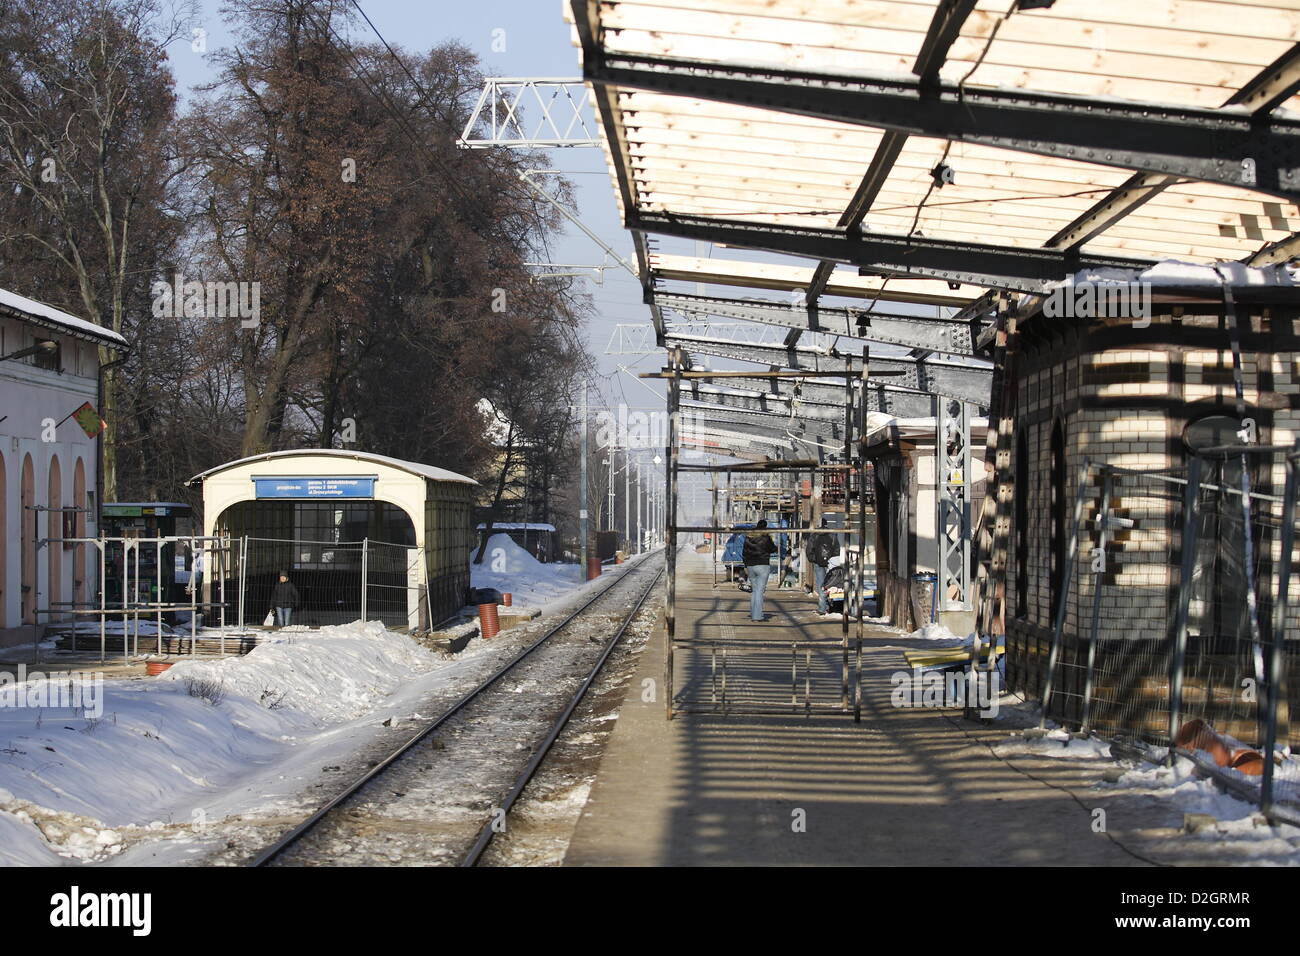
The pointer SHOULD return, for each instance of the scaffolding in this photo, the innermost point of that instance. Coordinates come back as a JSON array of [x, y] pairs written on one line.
[[782, 499]]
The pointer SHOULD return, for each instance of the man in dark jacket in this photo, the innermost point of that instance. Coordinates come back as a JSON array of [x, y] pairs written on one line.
[[757, 552], [284, 599], [820, 548]]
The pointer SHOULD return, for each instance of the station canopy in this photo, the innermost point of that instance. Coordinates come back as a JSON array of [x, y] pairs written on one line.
[[939, 151]]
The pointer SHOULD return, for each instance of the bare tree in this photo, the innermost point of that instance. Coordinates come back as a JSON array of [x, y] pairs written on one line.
[[86, 107]]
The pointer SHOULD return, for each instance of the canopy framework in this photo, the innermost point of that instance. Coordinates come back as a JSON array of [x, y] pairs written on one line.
[[954, 154]]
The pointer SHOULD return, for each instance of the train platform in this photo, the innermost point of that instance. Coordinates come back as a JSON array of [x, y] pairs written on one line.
[[906, 786]]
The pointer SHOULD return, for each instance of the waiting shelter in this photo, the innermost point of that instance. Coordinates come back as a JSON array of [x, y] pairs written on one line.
[[361, 535]]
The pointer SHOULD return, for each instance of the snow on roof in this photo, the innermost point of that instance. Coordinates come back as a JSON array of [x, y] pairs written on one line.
[[881, 427], [414, 467], [517, 526], [1171, 273], [49, 316]]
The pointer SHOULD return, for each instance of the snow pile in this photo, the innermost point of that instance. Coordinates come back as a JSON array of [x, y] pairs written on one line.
[[1181, 786], [331, 674], [1171, 272], [1055, 743], [164, 751], [509, 568], [935, 631]]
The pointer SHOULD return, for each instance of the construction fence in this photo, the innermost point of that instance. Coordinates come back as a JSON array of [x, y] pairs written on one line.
[[229, 593], [1177, 619]]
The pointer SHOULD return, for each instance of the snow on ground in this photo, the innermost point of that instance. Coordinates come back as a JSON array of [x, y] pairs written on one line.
[[936, 632], [213, 738], [1179, 787], [161, 750], [1238, 821], [1055, 743], [534, 585], [360, 664]]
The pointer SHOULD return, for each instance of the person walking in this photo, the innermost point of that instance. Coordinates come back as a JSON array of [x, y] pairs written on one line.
[[821, 547], [284, 599], [756, 553]]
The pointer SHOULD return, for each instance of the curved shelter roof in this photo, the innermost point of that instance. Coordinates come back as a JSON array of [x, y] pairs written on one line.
[[414, 467]]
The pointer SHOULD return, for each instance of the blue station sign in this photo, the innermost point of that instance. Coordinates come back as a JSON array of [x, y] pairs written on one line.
[[315, 487]]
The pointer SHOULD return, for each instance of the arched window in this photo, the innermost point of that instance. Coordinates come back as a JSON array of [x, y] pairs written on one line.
[[54, 529], [27, 539], [1058, 498], [1022, 524], [79, 551]]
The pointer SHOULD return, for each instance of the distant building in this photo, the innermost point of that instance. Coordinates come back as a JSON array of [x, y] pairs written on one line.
[[906, 521], [49, 367]]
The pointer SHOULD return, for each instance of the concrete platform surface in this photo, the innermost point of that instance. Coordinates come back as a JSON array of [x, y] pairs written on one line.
[[904, 787]]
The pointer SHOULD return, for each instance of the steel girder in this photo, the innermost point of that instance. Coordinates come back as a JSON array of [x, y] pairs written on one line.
[[768, 403], [886, 399], [966, 382], [1231, 145], [554, 105], [760, 431], [982, 264], [816, 402], [707, 412], [890, 328], [739, 434]]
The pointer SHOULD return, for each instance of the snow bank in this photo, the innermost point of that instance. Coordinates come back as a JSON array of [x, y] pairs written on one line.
[[534, 585], [356, 665], [1236, 819], [1055, 743], [164, 751]]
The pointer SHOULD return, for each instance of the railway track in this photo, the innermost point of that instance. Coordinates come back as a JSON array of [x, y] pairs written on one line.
[[436, 799]]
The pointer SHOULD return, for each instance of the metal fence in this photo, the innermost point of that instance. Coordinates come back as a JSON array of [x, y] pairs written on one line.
[[336, 582], [229, 599], [1167, 612]]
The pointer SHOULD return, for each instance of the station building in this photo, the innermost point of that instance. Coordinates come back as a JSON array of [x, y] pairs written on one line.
[[307, 511], [1139, 394], [49, 368]]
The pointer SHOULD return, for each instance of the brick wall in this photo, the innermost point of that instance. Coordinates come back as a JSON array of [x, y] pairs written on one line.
[[1123, 396]]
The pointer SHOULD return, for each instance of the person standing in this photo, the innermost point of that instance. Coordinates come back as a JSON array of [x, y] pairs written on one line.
[[821, 547], [284, 599], [757, 553]]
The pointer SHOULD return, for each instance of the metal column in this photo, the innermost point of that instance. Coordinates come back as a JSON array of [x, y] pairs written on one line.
[[670, 523], [952, 480]]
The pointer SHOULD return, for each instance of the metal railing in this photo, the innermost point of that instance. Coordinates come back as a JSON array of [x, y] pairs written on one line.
[[233, 596]]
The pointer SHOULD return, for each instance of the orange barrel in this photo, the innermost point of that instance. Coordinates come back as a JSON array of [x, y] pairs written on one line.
[[489, 625], [593, 568], [507, 599], [154, 668]]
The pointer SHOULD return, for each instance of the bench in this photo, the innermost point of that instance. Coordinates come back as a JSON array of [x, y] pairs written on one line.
[[947, 658]]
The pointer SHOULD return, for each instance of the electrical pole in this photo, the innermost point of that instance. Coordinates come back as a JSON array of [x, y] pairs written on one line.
[[609, 517], [627, 503], [582, 490]]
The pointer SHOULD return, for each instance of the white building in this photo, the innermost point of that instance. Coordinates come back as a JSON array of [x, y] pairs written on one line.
[[49, 367]]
